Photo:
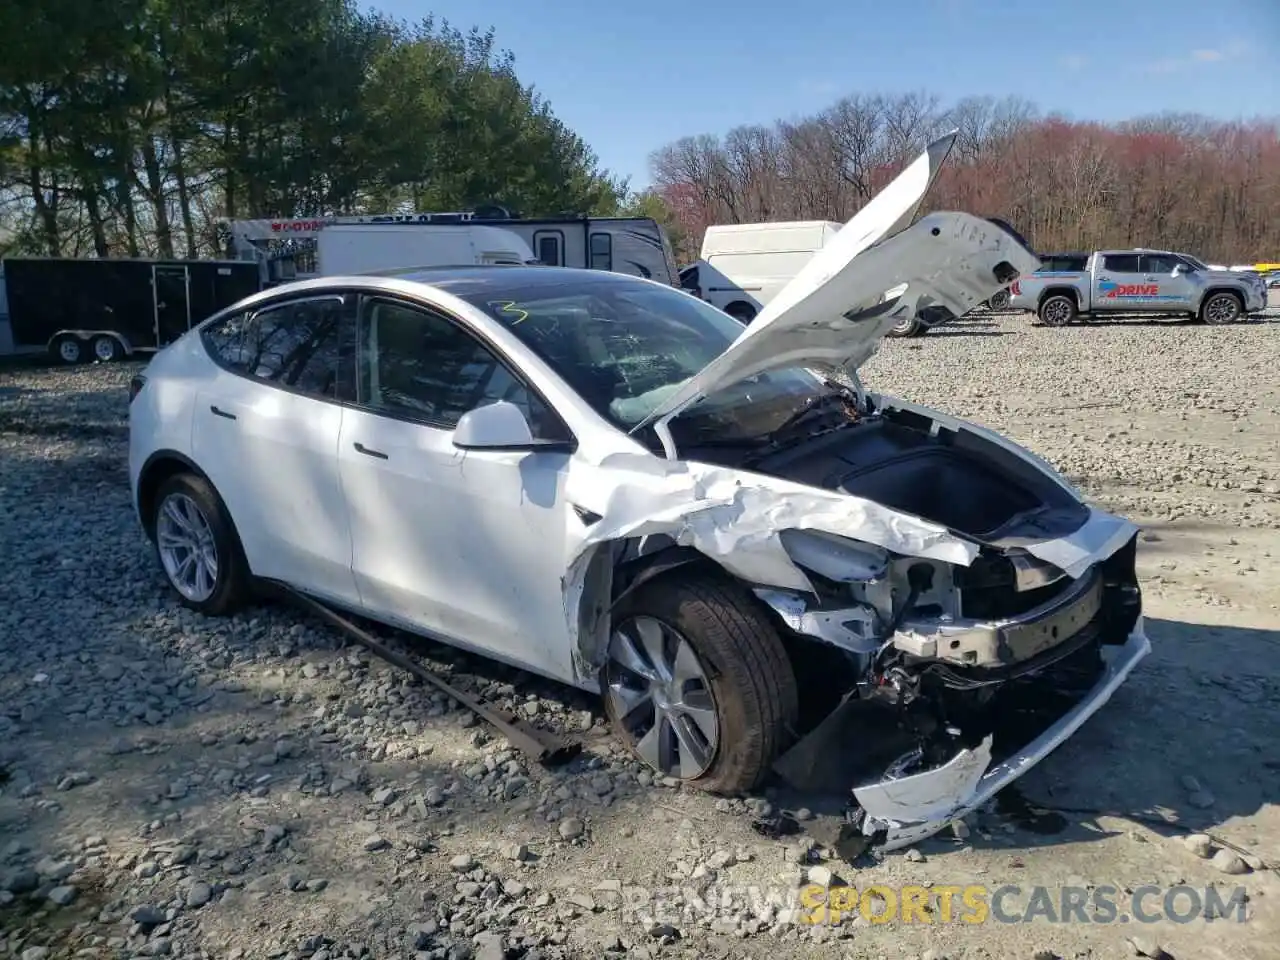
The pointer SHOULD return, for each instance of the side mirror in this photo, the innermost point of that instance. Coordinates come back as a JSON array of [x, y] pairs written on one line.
[[1178, 270], [500, 426]]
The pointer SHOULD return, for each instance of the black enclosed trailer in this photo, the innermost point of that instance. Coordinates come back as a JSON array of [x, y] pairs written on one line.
[[108, 309]]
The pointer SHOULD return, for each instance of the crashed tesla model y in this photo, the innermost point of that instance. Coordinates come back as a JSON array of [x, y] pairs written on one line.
[[763, 567]]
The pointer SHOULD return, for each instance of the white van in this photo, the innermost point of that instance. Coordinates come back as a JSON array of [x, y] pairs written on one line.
[[344, 249], [744, 265]]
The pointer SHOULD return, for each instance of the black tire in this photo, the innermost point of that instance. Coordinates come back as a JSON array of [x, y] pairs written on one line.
[[232, 589], [906, 328], [1221, 308], [1058, 310], [106, 348], [744, 313], [999, 301], [67, 349], [752, 684]]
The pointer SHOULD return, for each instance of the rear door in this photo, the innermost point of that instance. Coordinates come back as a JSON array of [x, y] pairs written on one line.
[[1118, 282], [266, 432]]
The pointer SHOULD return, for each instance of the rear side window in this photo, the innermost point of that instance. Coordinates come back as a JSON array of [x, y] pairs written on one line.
[[1062, 263], [1121, 262], [305, 345]]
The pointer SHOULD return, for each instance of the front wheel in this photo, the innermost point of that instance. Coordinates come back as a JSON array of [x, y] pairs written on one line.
[[697, 683], [198, 547], [1221, 308], [107, 348]]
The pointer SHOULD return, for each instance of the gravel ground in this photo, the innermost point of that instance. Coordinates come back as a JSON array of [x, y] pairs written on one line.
[[177, 786]]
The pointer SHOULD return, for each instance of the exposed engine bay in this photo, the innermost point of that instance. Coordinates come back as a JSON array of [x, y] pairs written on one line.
[[909, 664]]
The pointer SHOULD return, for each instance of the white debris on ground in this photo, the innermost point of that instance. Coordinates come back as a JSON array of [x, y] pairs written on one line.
[[177, 786]]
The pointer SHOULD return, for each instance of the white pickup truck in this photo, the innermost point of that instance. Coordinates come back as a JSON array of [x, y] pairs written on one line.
[[1136, 282]]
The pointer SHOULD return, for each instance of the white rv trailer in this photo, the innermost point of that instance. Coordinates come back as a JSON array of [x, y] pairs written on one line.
[[354, 248], [287, 248]]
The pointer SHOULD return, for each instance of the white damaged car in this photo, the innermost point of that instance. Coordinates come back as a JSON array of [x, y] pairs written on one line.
[[760, 565]]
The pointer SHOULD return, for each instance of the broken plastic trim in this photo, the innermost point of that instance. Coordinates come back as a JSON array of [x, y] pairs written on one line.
[[539, 745], [905, 810]]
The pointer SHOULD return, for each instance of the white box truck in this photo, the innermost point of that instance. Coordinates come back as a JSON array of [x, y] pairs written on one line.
[[744, 265]]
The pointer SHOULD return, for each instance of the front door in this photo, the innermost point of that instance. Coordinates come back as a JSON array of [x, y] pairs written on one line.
[[1170, 292], [467, 545], [171, 292]]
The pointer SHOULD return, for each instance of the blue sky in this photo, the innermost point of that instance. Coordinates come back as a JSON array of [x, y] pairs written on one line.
[[632, 76]]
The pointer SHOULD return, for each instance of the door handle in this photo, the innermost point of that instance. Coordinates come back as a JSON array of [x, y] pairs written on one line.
[[222, 413], [361, 448]]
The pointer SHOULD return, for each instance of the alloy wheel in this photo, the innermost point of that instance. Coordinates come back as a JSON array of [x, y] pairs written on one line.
[[184, 540], [660, 692]]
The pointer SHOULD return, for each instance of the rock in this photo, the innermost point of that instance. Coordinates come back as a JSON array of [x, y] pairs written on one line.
[[198, 895], [820, 875], [1199, 844], [1202, 799], [960, 830], [462, 863], [55, 870], [913, 856], [1229, 862], [1146, 947], [517, 851], [147, 915], [488, 946], [35, 953], [20, 881], [375, 843], [571, 828], [384, 796], [63, 896]]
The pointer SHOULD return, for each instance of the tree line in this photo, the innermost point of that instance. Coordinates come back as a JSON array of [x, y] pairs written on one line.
[[1184, 182], [129, 128]]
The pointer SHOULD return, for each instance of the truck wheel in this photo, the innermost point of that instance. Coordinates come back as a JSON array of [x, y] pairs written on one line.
[[1221, 308], [744, 313], [697, 683], [67, 348], [106, 348], [907, 327], [1058, 310]]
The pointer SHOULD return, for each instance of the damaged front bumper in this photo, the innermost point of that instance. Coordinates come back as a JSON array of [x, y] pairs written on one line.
[[901, 811]]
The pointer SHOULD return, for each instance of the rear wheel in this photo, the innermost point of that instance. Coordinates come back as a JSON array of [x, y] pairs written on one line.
[[106, 348], [1058, 310], [67, 348], [698, 684], [999, 300], [1221, 308], [198, 547]]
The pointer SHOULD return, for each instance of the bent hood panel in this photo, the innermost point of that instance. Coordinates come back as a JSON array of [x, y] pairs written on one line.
[[947, 259], [871, 275]]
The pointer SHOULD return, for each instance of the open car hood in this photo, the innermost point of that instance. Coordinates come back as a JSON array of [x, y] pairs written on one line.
[[873, 273]]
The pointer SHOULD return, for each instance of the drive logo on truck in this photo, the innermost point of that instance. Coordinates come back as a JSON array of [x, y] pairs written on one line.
[[1113, 291]]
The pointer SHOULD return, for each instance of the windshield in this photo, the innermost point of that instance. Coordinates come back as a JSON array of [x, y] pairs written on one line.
[[625, 345]]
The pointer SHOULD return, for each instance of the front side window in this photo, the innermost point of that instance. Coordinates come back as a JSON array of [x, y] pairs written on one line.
[[418, 364], [625, 346], [298, 344], [1159, 262]]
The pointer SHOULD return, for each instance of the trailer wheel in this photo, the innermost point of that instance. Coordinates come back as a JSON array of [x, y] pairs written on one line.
[[67, 348], [106, 348]]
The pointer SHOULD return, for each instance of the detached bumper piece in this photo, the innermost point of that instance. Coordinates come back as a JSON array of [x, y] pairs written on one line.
[[902, 811]]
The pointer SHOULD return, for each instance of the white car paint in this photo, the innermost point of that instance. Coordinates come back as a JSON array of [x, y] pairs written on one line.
[[488, 549]]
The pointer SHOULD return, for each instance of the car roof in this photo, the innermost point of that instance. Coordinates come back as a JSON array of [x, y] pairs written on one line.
[[530, 277]]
